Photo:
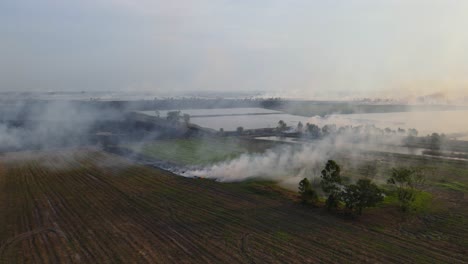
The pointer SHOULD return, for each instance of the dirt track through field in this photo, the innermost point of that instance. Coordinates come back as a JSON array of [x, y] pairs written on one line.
[[67, 207]]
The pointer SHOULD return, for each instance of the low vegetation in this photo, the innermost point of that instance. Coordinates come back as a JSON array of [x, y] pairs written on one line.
[[406, 182], [307, 193]]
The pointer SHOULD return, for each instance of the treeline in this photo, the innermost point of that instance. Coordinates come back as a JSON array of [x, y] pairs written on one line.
[[435, 141], [315, 132]]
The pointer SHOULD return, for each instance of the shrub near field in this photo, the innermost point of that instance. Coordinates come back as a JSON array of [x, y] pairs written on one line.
[[90, 207], [200, 151]]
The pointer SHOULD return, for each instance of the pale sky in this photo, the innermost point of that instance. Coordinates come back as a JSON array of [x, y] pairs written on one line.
[[297, 46]]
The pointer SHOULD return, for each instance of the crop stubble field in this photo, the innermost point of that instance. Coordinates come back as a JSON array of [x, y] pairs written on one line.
[[85, 206]]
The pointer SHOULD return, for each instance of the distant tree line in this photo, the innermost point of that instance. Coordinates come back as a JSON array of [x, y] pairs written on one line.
[[315, 132], [434, 141]]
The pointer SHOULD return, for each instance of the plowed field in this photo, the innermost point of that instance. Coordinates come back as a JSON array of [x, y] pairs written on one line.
[[89, 207]]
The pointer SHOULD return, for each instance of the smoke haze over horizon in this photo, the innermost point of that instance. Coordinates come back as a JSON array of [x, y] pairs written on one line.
[[304, 49]]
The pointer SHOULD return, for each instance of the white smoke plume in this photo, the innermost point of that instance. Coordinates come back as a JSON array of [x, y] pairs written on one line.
[[289, 164], [273, 164]]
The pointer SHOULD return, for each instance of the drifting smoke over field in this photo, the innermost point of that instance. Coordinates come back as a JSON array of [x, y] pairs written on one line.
[[44, 124], [289, 164], [276, 164]]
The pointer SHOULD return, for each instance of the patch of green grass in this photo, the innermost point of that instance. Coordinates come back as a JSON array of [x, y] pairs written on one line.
[[422, 202], [390, 199], [196, 151], [455, 186]]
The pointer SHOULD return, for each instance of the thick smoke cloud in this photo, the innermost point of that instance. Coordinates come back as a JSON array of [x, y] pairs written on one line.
[[276, 164], [289, 164]]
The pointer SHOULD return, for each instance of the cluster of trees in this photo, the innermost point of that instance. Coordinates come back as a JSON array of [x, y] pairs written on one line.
[[355, 197], [436, 140], [282, 126], [177, 117], [362, 194]]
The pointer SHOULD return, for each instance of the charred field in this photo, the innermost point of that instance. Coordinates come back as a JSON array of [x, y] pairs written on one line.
[[86, 206]]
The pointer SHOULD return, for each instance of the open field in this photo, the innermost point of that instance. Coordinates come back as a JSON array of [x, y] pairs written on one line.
[[89, 207], [199, 151], [436, 169]]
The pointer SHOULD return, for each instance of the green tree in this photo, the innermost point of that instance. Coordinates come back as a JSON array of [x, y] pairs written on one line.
[[282, 126], [331, 183], [240, 130], [413, 132], [186, 118], [407, 181], [313, 130], [329, 129], [361, 195], [300, 127], [435, 141], [173, 116], [307, 193]]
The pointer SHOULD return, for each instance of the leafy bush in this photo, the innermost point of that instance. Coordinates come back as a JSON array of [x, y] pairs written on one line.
[[308, 195], [361, 195]]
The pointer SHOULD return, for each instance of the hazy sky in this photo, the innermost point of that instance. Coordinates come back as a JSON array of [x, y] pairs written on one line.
[[302, 46]]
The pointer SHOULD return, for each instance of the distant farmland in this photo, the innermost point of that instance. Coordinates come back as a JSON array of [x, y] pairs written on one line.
[[90, 207]]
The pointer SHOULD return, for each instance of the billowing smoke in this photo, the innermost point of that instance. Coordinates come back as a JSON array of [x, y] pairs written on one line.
[[277, 163], [288, 164]]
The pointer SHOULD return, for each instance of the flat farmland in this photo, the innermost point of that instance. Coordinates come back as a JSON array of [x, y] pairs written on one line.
[[200, 151], [85, 206]]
